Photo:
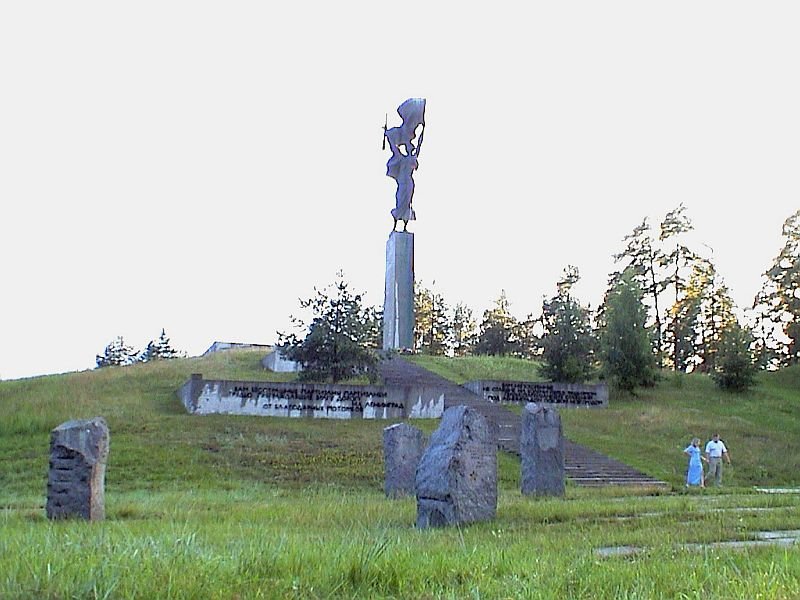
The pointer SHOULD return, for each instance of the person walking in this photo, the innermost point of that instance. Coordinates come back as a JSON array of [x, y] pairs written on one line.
[[716, 451], [694, 475]]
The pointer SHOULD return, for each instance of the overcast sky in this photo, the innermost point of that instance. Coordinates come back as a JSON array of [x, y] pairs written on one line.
[[200, 166]]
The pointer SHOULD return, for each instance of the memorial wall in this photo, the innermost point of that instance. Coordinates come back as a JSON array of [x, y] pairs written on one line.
[[564, 395], [319, 401]]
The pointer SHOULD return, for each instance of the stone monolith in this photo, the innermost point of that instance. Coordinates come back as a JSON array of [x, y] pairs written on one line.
[[457, 477], [76, 481]]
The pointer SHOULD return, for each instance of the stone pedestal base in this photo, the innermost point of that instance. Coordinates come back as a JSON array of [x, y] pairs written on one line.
[[398, 304]]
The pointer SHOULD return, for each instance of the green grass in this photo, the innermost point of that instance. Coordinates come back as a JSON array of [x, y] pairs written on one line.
[[761, 427], [472, 368], [649, 430], [246, 507]]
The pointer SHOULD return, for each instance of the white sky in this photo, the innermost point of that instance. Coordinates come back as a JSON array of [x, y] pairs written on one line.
[[200, 166]]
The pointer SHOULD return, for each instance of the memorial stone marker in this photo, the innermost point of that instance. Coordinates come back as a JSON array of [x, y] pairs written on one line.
[[542, 451], [403, 446], [457, 477], [76, 481]]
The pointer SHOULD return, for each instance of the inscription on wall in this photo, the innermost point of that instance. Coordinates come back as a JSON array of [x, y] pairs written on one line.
[[201, 396], [316, 400], [558, 394]]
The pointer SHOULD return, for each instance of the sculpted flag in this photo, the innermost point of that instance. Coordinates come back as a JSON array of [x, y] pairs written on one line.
[[405, 152]]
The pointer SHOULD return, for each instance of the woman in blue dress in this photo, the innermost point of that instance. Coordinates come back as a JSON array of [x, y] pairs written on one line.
[[694, 476]]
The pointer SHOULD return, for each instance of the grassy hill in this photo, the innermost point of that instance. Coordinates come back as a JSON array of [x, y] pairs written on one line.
[[244, 507], [650, 430]]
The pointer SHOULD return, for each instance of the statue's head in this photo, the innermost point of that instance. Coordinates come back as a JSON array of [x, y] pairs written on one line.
[[412, 112]]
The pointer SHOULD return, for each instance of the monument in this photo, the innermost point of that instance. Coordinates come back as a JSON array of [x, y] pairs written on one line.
[[76, 480], [542, 451], [456, 480], [403, 446], [398, 305]]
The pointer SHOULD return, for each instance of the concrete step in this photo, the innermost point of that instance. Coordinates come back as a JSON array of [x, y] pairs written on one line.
[[583, 465]]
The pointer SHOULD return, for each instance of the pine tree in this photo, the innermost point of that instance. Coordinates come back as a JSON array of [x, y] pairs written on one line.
[[497, 330], [463, 330], [767, 349], [432, 323], [717, 318], [642, 255], [529, 342], [568, 342], [779, 298], [678, 261], [116, 353], [159, 349], [735, 370], [625, 347], [338, 343]]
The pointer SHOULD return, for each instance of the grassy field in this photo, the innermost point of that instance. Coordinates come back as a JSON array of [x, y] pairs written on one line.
[[243, 507]]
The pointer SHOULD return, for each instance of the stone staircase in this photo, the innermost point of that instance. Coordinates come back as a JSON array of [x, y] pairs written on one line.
[[583, 465]]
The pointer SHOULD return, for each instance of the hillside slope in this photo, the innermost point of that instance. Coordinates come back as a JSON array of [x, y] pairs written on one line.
[[156, 445]]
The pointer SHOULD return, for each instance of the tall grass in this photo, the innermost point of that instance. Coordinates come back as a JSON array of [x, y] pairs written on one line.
[[322, 542]]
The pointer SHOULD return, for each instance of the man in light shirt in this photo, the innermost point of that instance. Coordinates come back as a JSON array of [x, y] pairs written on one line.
[[715, 452]]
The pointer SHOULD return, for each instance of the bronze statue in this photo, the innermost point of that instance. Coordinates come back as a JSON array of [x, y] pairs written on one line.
[[405, 152]]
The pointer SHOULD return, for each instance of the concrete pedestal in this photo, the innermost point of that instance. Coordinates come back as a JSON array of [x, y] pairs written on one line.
[[398, 304]]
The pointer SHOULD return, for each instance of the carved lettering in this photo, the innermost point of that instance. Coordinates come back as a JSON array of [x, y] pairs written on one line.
[[545, 393]]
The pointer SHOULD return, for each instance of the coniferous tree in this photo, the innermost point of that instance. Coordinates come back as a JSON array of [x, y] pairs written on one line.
[[337, 342], [116, 353], [684, 332], [373, 327], [159, 349], [568, 341], [432, 322], [625, 346], [718, 316], [735, 370], [463, 330], [677, 261], [779, 299], [529, 342], [767, 349], [645, 258], [497, 330]]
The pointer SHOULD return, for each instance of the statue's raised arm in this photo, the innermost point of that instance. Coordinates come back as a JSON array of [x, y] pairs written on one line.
[[405, 152]]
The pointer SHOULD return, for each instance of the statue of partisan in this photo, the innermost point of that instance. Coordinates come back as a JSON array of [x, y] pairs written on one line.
[[405, 152]]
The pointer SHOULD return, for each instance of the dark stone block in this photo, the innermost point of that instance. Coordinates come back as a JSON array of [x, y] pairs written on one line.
[[542, 451], [456, 479], [76, 480]]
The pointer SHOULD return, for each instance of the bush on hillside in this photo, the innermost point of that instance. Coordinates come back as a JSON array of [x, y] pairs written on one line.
[[735, 370]]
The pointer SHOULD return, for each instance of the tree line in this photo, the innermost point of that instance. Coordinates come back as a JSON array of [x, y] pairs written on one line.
[[665, 307], [118, 353]]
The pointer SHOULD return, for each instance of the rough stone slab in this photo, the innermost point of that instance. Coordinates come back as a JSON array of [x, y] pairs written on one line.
[[76, 479], [542, 451], [456, 479], [403, 446]]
